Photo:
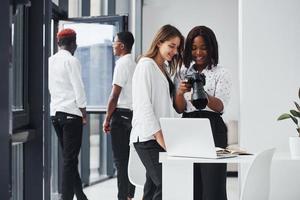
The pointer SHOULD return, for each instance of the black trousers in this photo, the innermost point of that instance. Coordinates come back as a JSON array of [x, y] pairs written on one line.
[[210, 179], [68, 128], [120, 136], [149, 155]]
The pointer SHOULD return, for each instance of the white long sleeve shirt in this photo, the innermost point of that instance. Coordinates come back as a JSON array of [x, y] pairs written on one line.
[[151, 100], [65, 84]]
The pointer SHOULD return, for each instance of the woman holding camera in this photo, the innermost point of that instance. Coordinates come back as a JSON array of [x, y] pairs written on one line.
[[152, 92], [201, 56]]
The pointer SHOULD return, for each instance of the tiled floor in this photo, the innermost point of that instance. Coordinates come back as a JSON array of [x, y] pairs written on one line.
[[107, 190]]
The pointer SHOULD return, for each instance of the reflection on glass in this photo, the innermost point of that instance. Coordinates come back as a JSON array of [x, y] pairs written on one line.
[[18, 59], [94, 124], [55, 1], [95, 54]]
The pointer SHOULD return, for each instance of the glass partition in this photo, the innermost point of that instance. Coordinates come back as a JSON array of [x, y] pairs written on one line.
[[96, 56]]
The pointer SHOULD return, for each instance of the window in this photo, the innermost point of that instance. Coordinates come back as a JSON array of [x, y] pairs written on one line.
[[19, 68], [95, 52]]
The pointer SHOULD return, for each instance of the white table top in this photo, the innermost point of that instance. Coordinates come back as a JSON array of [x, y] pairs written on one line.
[[286, 156], [280, 156], [163, 157]]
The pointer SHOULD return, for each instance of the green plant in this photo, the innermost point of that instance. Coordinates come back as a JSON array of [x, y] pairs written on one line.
[[293, 115]]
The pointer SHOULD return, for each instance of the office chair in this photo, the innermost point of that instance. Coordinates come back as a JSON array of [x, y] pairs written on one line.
[[257, 181], [136, 169]]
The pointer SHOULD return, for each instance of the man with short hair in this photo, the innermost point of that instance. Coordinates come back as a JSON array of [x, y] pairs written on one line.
[[68, 110], [119, 111]]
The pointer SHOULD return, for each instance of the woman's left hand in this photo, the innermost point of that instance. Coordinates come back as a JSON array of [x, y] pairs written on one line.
[[160, 139]]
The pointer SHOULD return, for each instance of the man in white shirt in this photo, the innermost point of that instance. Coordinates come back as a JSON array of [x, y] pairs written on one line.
[[119, 111], [68, 110]]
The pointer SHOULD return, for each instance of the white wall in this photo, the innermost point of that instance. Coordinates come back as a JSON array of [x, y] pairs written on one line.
[[266, 74], [269, 82], [221, 16]]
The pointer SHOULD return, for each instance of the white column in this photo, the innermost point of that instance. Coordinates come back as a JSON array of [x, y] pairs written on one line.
[[269, 81], [74, 8], [135, 25], [122, 7], [98, 7]]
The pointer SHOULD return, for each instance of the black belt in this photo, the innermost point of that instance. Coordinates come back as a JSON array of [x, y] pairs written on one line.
[[123, 110], [201, 114]]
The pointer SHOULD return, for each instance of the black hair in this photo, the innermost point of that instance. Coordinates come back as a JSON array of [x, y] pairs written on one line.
[[210, 42], [127, 39], [66, 41]]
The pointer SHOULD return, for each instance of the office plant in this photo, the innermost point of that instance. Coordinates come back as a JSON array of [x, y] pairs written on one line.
[[293, 115]]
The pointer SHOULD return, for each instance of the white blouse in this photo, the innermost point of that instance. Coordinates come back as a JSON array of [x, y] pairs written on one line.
[[218, 84], [151, 100]]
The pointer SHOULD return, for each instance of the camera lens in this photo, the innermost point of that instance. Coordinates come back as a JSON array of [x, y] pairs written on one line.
[[199, 97], [200, 103]]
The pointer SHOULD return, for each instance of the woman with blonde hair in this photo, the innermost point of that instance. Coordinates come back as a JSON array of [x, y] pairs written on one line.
[[152, 94]]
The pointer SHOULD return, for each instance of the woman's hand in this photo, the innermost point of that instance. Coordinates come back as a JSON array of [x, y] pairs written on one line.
[[179, 101], [184, 87], [160, 139], [214, 103]]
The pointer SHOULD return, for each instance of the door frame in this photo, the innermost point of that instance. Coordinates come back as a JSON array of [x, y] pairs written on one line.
[[105, 145]]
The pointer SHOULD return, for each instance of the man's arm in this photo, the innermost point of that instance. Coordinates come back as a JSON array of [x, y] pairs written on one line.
[[111, 106], [74, 68]]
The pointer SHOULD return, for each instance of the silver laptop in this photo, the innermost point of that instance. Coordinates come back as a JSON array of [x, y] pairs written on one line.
[[189, 137]]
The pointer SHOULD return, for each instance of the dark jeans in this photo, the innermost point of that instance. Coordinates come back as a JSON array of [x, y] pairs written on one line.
[[210, 179], [120, 135], [149, 155], [68, 128]]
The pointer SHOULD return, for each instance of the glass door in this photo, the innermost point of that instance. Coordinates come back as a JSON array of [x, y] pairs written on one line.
[[94, 39]]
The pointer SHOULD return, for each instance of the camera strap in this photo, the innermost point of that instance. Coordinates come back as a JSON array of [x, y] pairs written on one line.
[[171, 86]]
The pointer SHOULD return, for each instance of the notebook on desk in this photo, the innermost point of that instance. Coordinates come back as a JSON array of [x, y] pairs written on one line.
[[189, 137]]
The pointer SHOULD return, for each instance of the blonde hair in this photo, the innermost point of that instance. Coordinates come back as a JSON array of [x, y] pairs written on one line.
[[166, 33]]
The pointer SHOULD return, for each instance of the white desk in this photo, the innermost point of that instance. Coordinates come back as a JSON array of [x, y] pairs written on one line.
[[177, 174]]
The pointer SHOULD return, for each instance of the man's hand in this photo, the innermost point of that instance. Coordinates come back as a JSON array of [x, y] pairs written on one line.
[[84, 120], [106, 126], [84, 115]]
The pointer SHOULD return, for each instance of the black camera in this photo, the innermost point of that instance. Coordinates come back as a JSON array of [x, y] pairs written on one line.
[[199, 97]]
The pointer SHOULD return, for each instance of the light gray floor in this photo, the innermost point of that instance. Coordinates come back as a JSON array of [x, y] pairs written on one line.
[[108, 190]]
